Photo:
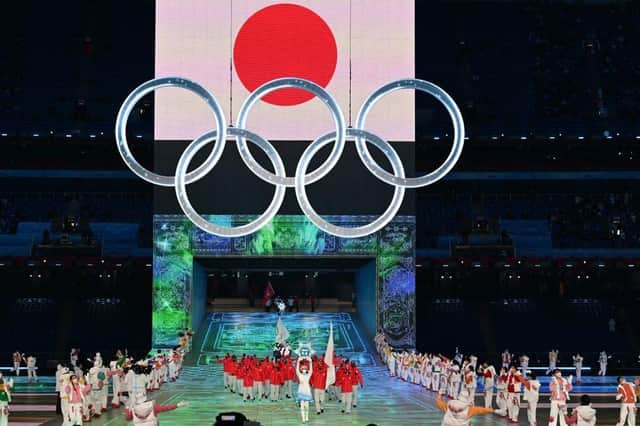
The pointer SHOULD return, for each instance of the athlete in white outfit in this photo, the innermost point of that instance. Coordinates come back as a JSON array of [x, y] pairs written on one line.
[[531, 395], [553, 361], [488, 373], [578, 360], [627, 397], [603, 359], [559, 388]]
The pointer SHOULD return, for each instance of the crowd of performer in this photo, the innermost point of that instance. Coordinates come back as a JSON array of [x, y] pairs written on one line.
[[458, 378], [313, 380], [273, 378], [83, 392]]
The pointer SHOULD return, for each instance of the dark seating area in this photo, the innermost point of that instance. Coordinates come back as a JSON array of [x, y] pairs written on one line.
[[90, 303], [571, 219], [531, 326]]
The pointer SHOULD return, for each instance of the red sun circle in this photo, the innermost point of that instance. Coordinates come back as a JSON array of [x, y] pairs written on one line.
[[285, 40]]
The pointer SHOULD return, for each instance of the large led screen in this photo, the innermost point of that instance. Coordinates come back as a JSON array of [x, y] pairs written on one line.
[[350, 47]]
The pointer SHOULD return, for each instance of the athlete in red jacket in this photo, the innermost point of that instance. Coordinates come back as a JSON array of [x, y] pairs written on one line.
[[346, 388], [289, 374], [248, 379], [225, 368], [233, 371], [318, 383], [356, 380], [276, 381]]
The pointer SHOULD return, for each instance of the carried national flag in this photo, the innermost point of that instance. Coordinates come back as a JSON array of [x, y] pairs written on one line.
[[282, 334], [269, 292], [328, 359]]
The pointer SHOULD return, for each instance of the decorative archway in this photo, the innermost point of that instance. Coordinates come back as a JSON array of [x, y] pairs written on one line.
[[176, 297]]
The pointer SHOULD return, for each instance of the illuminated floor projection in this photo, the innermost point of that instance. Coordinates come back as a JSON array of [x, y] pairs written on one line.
[[383, 401], [254, 333]]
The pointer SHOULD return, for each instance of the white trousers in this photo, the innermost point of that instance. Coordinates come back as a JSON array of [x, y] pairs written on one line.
[[426, 380], [96, 401], [258, 389], [628, 414], [64, 407], [248, 392], [435, 382], [4, 413], [513, 406], [347, 398], [501, 402], [75, 414], [16, 368], [117, 385], [287, 388], [318, 398], [454, 389], [603, 369], [531, 412], [274, 392], [31, 374], [557, 413], [488, 393]]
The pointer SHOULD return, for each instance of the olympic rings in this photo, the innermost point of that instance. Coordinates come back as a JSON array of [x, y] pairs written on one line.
[[321, 94], [458, 133], [301, 178], [361, 231], [201, 222], [148, 87]]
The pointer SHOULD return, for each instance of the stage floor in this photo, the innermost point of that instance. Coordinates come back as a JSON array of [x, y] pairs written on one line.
[[383, 401], [254, 333]]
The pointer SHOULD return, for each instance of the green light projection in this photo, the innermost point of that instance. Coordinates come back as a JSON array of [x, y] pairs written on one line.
[[177, 241]]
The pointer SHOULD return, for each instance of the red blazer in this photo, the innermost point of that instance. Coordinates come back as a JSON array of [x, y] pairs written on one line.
[[275, 378], [356, 378], [319, 379], [346, 384]]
